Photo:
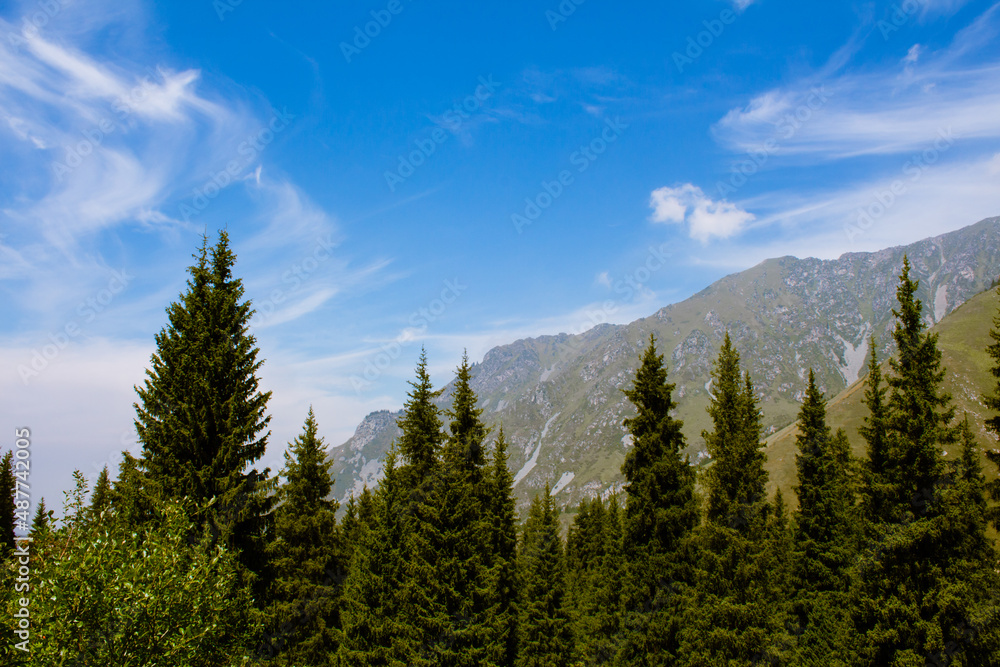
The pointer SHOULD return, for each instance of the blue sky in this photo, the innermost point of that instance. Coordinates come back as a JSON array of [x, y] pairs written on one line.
[[396, 174]]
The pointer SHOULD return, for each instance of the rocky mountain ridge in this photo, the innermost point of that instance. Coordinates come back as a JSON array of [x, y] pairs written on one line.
[[559, 397]]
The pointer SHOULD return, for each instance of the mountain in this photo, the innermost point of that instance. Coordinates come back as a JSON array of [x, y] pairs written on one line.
[[962, 338], [559, 397]]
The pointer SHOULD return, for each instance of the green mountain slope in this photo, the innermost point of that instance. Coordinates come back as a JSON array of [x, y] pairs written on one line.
[[962, 337], [559, 397]]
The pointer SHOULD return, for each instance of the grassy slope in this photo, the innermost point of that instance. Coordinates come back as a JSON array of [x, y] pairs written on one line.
[[963, 337]]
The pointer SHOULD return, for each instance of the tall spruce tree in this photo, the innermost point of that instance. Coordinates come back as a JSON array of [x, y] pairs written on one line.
[[900, 609], [502, 517], [992, 401], [376, 621], [660, 512], [422, 592], [735, 614], [100, 497], [919, 411], [303, 621], [201, 415], [42, 522], [877, 467], [463, 559], [7, 505], [825, 536], [544, 630]]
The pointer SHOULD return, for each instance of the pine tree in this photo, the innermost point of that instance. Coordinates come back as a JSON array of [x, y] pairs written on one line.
[[201, 416], [502, 517], [737, 479], [42, 522], [544, 629], [303, 618], [660, 512], [825, 535], [992, 402], [130, 498], [100, 497], [878, 471], [462, 557], [422, 536], [735, 614], [604, 631], [7, 506], [919, 412], [422, 438], [376, 625], [900, 611]]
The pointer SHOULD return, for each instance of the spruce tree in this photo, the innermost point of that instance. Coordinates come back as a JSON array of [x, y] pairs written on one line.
[[825, 535], [42, 522], [992, 402], [919, 411], [900, 608], [502, 517], [735, 613], [463, 559], [7, 506], [877, 467], [422, 438], [660, 512], [376, 621], [201, 416], [423, 540], [303, 619], [100, 497], [545, 638], [737, 479]]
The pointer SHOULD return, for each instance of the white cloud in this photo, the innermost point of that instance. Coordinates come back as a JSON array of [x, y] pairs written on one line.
[[706, 218], [741, 5], [913, 55]]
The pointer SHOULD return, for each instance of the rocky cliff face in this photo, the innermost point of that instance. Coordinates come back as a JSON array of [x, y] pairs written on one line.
[[559, 397]]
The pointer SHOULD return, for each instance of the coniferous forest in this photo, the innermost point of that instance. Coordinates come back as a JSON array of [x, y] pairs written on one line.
[[190, 555]]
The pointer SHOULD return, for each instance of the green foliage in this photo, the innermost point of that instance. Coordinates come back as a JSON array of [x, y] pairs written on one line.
[[302, 622], [100, 497], [735, 610], [660, 512], [42, 523], [7, 508], [503, 575], [376, 627], [544, 630], [926, 576], [109, 594], [825, 536], [200, 415], [737, 479], [992, 402]]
